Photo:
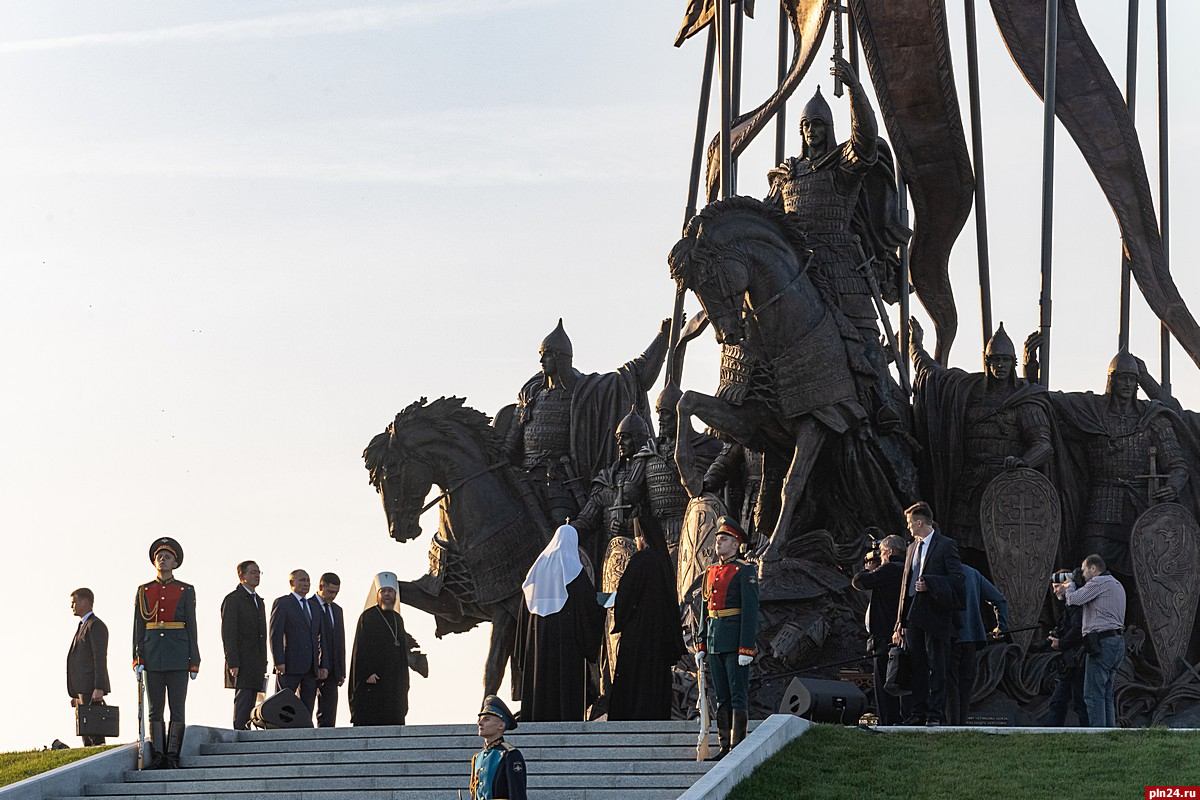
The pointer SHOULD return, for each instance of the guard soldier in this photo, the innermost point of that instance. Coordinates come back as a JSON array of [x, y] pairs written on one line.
[[498, 770], [165, 649], [727, 632]]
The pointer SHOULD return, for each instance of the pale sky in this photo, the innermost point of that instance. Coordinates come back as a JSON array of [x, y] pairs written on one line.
[[238, 237]]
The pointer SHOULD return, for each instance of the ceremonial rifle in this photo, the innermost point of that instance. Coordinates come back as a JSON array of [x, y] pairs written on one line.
[[702, 753], [141, 682]]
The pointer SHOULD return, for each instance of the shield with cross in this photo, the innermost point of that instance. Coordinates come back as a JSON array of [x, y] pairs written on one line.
[[1164, 547], [1020, 516]]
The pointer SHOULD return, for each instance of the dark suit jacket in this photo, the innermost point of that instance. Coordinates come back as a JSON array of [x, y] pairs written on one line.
[[295, 638], [87, 660], [934, 610], [884, 583], [333, 638], [244, 636]]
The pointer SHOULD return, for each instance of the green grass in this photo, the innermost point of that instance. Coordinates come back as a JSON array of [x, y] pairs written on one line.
[[19, 766], [831, 763]]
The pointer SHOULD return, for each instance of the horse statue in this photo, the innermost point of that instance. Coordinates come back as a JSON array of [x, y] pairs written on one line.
[[489, 530], [794, 377]]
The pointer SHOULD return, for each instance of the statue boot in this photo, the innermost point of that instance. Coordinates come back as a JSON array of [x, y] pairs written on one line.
[[157, 741], [174, 744], [741, 719], [724, 732]]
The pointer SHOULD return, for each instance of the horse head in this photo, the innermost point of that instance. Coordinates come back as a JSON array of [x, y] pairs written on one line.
[[724, 249], [427, 444]]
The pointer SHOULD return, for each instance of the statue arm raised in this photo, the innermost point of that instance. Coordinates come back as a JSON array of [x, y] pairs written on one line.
[[922, 361], [864, 129], [648, 365]]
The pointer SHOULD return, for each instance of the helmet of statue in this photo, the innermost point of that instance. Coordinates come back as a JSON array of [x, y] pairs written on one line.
[[668, 398], [817, 108], [1123, 363], [999, 345], [633, 424], [557, 341]]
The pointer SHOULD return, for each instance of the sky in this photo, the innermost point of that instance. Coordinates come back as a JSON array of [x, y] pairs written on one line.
[[236, 238]]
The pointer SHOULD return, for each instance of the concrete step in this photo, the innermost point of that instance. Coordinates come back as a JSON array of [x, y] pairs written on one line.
[[420, 794], [258, 785], [656, 755], [427, 731], [426, 744], [392, 769]]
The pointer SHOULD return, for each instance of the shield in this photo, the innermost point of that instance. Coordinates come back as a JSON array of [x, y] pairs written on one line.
[[1020, 516], [1165, 549], [697, 546]]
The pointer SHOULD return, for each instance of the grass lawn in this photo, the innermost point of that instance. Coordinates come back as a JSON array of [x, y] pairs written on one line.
[[834, 762], [19, 766]]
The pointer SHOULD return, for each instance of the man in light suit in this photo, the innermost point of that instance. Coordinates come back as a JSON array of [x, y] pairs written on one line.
[[333, 645], [87, 660], [295, 632], [244, 636], [931, 594]]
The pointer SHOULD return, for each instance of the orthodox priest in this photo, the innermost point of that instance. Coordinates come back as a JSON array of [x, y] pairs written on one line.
[[646, 614], [383, 653], [559, 627]]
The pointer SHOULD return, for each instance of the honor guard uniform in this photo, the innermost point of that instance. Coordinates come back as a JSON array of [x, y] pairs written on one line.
[[165, 649], [727, 632], [498, 770]]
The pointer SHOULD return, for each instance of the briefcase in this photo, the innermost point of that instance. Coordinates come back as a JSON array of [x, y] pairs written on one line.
[[97, 720], [899, 672]]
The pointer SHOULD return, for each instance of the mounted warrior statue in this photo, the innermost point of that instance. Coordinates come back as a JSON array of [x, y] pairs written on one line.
[[560, 434]]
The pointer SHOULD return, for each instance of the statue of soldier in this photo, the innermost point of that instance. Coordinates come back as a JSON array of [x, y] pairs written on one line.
[[561, 432], [845, 197], [666, 496], [1116, 441], [975, 426], [618, 493]]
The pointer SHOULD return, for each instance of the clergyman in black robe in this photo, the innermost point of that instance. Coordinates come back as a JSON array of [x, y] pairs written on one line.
[[379, 663], [559, 628], [646, 614]]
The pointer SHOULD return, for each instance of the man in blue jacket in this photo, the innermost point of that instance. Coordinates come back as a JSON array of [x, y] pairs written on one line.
[[969, 639], [296, 642]]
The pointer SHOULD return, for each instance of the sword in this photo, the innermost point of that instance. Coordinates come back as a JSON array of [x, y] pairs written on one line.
[[702, 752], [877, 298], [141, 756], [1152, 479]]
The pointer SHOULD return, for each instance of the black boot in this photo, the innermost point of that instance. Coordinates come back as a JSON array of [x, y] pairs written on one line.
[[174, 744], [724, 729], [157, 742], [740, 720]]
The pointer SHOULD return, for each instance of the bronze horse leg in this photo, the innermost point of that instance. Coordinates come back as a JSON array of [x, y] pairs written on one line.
[[500, 649], [810, 438]]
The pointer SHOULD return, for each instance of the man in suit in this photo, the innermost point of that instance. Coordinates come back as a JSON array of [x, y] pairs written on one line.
[[333, 643], [87, 660], [244, 636], [931, 593], [881, 577], [295, 633]]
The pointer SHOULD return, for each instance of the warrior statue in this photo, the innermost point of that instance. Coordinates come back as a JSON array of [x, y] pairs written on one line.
[[666, 496], [974, 427], [845, 197], [1130, 453], [618, 493], [738, 473], [561, 432]]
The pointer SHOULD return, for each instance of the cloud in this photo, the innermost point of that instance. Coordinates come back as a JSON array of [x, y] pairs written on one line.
[[296, 25]]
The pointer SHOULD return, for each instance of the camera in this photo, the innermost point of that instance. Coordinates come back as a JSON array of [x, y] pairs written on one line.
[[1060, 577], [876, 551]]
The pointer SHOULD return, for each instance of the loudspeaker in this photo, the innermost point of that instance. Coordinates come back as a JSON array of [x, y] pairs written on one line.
[[824, 701], [281, 710]]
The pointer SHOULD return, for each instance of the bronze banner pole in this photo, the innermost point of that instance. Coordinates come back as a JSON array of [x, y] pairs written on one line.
[[981, 229], [1048, 94], [725, 43], [902, 363], [1131, 57], [781, 73], [1164, 180], [735, 90]]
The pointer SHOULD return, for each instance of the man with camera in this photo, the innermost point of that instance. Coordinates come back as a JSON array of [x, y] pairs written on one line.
[[1066, 637], [1102, 598], [881, 575]]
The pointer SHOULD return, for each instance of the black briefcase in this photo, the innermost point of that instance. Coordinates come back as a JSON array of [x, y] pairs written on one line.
[[899, 672], [97, 720]]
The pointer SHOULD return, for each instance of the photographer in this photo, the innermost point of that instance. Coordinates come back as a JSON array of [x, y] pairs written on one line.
[[1067, 638], [881, 575], [1102, 598]]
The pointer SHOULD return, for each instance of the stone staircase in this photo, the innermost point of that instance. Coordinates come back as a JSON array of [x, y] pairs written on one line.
[[567, 761]]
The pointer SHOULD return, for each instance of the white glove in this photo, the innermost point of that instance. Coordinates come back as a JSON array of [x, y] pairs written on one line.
[[699, 659], [139, 669], [192, 675], [744, 661]]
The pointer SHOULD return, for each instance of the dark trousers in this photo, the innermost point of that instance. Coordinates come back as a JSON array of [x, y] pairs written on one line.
[[244, 701], [930, 657], [327, 702], [731, 683], [887, 705], [171, 686], [960, 681], [88, 741], [1068, 693], [307, 684]]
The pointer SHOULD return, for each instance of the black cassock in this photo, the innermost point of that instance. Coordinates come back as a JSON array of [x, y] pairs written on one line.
[[381, 648], [552, 652], [646, 614]]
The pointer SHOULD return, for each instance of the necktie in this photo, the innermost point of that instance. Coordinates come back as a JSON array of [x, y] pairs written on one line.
[[307, 610], [918, 566], [328, 613]]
